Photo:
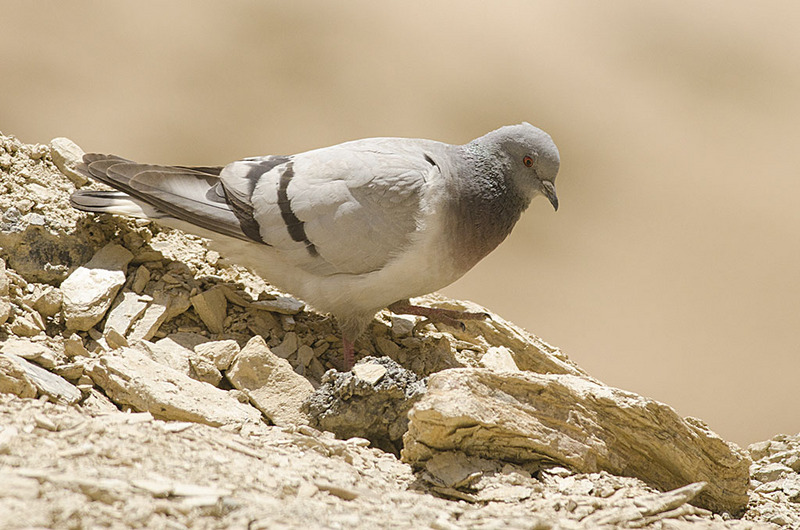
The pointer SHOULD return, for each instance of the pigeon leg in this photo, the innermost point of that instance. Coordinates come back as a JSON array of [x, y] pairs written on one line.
[[449, 317], [348, 354]]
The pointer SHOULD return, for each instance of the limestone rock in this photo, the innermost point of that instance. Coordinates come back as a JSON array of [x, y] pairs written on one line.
[[211, 307], [221, 353], [526, 417], [66, 156], [371, 401], [131, 378], [90, 289], [127, 307], [48, 302], [5, 304], [285, 305], [273, 387], [17, 376], [167, 352]]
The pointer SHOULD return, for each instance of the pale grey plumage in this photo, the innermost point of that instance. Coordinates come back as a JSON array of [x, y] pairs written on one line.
[[349, 228]]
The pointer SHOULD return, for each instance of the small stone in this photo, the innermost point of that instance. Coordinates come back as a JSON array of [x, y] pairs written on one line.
[[499, 359], [167, 352], [127, 307], [370, 373], [285, 305], [48, 303], [402, 326], [66, 156], [31, 351], [25, 326], [211, 306], [204, 370], [115, 339], [220, 352], [770, 472], [20, 374], [8, 434], [304, 354], [73, 347], [274, 388], [90, 289], [140, 279], [287, 347]]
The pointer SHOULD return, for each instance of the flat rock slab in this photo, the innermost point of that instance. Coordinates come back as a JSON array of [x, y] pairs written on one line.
[[271, 384], [577, 422], [130, 377], [90, 289], [27, 380]]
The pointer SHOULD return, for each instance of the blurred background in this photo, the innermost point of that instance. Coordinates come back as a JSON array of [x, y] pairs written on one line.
[[672, 268]]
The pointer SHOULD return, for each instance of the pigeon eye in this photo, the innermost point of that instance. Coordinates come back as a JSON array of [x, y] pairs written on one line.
[[528, 161]]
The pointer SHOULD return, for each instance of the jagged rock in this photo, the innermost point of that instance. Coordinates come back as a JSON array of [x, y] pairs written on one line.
[[164, 307], [48, 302], [220, 353], [17, 376], [140, 279], [168, 352], [5, 304], [90, 289], [129, 377], [285, 305], [26, 325], [211, 307], [374, 406], [499, 359], [273, 387], [287, 346], [127, 307], [66, 156], [30, 351], [526, 417]]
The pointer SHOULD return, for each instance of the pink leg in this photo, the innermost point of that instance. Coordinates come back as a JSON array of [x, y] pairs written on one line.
[[448, 317], [348, 352]]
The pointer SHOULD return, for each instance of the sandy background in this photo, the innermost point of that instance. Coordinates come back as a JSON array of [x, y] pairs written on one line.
[[672, 268]]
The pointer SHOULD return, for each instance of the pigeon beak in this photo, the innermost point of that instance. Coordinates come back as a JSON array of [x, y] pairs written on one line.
[[549, 191]]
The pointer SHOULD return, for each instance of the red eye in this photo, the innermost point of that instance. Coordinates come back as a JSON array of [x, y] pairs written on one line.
[[528, 161]]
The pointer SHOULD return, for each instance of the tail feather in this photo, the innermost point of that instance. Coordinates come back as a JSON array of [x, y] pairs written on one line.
[[193, 194]]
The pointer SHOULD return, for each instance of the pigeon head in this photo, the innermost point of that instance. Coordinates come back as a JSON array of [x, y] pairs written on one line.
[[530, 159]]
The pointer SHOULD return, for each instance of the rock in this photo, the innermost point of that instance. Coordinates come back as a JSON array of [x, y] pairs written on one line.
[[499, 359], [204, 370], [211, 307], [164, 307], [127, 307], [66, 156], [285, 305], [304, 355], [26, 325], [346, 404], [30, 351], [114, 339], [19, 375], [49, 301], [577, 422], [369, 372], [219, 352], [129, 377], [73, 347], [287, 347], [5, 304], [14, 378], [402, 325], [167, 352], [274, 388], [90, 289], [771, 472], [140, 279]]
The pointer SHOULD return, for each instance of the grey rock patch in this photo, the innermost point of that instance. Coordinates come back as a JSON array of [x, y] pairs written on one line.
[[349, 406]]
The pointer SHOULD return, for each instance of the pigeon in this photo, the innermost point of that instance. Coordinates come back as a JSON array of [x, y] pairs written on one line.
[[352, 228]]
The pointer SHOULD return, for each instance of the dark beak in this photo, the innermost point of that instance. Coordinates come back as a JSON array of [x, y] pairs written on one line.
[[549, 191]]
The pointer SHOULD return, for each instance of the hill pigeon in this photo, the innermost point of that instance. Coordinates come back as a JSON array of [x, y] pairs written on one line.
[[351, 228]]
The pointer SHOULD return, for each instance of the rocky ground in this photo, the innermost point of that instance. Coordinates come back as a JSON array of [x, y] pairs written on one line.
[[146, 382]]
